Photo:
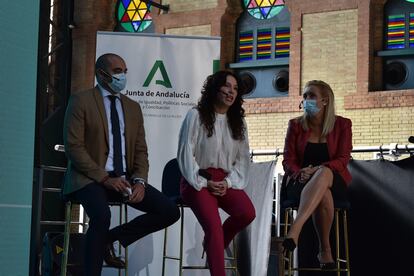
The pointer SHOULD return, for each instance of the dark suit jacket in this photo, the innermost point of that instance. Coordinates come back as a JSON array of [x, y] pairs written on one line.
[[86, 139], [339, 142]]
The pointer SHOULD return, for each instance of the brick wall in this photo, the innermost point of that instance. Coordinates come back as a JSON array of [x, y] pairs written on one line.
[[220, 15], [332, 40], [267, 131], [330, 50], [382, 125], [189, 5], [89, 17], [193, 30], [185, 17], [369, 127]]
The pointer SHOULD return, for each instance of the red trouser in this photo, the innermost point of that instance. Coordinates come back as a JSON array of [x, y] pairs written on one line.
[[205, 207]]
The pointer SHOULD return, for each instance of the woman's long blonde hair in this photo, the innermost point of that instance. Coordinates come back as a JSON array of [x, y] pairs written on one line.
[[329, 116]]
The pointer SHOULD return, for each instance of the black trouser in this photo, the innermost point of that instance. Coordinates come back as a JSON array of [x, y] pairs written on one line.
[[160, 213]]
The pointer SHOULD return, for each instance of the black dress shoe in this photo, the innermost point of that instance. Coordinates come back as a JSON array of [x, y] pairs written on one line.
[[111, 259]]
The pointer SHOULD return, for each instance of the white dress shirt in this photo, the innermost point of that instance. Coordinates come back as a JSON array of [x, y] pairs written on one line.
[[109, 166], [198, 151]]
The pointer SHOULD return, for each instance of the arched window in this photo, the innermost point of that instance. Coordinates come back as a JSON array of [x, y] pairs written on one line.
[[399, 24], [398, 54], [263, 44], [133, 16]]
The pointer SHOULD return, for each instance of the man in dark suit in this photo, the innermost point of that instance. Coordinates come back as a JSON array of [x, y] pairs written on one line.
[[105, 144]]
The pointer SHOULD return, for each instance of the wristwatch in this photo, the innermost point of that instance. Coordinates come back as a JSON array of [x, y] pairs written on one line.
[[138, 180]]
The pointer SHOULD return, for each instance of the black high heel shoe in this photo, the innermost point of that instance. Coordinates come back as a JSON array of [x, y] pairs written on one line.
[[326, 266], [288, 245]]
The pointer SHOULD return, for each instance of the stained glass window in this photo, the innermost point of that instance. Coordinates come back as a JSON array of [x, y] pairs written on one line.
[[282, 42], [411, 30], [264, 9], [264, 43], [133, 15], [246, 46], [396, 32]]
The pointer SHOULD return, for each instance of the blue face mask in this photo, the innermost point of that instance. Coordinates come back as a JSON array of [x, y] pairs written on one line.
[[310, 107], [118, 82]]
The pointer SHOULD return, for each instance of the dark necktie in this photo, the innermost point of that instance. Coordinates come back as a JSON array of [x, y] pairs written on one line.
[[116, 133]]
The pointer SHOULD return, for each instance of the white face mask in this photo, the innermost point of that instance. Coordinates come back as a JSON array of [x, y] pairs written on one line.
[[118, 82]]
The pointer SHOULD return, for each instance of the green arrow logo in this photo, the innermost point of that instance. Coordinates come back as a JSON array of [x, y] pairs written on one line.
[[158, 65]]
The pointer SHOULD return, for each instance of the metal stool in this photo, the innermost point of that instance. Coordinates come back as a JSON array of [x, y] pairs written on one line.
[[342, 262], [68, 216], [171, 188]]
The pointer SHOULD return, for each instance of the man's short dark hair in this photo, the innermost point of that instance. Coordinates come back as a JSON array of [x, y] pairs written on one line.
[[103, 61]]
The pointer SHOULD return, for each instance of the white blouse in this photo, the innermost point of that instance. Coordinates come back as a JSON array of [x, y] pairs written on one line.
[[196, 150]]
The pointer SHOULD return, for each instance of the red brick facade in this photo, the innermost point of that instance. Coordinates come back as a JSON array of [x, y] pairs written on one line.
[[93, 16]]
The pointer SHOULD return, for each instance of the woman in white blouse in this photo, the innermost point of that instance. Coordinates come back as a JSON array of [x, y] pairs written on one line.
[[213, 155]]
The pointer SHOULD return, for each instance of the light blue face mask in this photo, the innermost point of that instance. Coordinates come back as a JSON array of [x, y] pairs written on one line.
[[118, 82], [310, 107]]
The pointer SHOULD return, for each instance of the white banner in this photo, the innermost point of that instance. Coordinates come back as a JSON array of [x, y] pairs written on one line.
[[254, 241], [165, 75]]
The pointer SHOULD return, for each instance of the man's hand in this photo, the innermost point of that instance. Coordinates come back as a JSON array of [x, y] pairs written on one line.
[[138, 193], [218, 188], [118, 184]]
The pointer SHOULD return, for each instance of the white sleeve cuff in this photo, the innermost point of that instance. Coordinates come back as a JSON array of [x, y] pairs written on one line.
[[201, 183], [229, 184]]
